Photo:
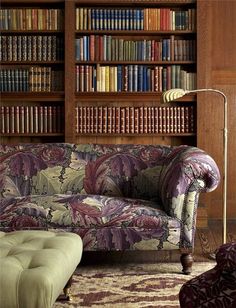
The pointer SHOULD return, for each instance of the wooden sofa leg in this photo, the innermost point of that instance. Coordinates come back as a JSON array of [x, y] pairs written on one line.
[[67, 291], [186, 260]]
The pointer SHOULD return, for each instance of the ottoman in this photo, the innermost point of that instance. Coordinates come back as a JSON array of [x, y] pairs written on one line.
[[35, 266]]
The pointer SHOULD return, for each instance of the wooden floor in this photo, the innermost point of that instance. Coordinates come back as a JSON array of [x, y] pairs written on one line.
[[206, 241]]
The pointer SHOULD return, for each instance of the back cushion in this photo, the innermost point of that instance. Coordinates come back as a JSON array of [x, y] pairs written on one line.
[[35, 169], [114, 170], [122, 170]]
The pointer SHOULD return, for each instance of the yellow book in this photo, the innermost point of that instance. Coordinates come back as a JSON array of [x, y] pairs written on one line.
[[107, 78]]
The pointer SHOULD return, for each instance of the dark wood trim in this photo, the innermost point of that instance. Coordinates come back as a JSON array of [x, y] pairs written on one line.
[[69, 70]]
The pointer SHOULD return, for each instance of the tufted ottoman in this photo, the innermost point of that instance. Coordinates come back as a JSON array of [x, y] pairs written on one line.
[[35, 266]]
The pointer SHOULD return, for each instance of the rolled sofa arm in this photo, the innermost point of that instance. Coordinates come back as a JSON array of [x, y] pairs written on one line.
[[187, 171]]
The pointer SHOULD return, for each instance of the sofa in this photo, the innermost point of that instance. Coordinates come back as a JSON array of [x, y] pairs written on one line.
[[216, 287], [116, 197]]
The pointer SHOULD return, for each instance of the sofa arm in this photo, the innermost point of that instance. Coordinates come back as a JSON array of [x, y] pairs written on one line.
[[187, 171]]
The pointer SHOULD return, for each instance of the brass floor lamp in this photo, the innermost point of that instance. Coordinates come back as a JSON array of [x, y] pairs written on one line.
[[173, 94]]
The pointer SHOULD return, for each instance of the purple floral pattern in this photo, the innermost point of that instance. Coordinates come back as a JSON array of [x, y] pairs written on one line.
[[114, 196], [216, 287]]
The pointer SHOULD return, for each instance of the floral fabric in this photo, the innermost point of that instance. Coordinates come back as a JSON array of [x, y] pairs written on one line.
[[103, 222], [216, 287], [140, 195]]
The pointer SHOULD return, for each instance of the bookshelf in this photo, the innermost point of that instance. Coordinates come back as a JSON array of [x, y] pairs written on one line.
[[126, 54], [105, 85], [32, 71]]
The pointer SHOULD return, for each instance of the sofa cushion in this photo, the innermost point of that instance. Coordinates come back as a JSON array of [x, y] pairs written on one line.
[[112, 170], [118, 222]]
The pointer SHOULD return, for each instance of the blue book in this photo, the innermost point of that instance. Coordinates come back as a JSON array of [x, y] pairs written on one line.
[[127, 19], [105, 19], [164, 50], [148, 74], [85, 48], [119, 78], [119, 19], [138, 17], [112, 19], [141, 19], [93, 14], [116, 27], [108, 19], [94, 79], [97, 19], [77, 50], [123, 18], [135, 19], [101, 19], [131, 18], [144, 78], [135, 78], [140, 78]]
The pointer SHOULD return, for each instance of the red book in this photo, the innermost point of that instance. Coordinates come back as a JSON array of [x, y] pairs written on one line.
[[118, 120], [22, 119], [109, 120], [136, 122], [12, 119]]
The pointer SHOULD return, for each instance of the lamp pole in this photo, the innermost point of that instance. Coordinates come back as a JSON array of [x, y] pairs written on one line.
[[177, 93]]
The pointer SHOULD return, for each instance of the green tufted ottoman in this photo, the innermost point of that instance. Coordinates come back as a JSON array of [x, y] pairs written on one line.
[[35, 266]]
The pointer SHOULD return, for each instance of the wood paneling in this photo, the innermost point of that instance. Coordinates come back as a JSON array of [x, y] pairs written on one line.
[[217, 69]]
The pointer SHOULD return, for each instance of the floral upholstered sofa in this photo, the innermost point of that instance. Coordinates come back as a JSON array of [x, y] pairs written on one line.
[[116, 197]]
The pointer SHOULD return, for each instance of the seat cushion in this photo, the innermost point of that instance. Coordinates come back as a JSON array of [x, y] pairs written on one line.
[[104, 223], [35, 266]]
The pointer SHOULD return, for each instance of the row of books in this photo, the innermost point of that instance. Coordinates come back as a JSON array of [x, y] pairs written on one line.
[[34, 78], [160, 19], [108, 48], [31, 19], [31, 48], [132, 78], [30, 119], [134, 120]]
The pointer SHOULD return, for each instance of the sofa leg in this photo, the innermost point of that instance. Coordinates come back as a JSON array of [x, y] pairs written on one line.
[[186, 260], [67, 291]]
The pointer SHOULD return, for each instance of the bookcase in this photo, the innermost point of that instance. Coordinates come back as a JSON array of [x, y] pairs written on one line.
[[94, 71], [126, 54], [32, 71]]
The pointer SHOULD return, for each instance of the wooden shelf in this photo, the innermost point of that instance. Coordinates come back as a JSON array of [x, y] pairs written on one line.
[[27, 32], [136, 96], [32, 63], [136, 3], [31, 3], [135, 32], [137, 135], [33, 96], [135, 62], [32, 134]]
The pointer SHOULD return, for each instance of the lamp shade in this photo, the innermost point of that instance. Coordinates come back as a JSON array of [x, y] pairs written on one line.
[[172, 94]]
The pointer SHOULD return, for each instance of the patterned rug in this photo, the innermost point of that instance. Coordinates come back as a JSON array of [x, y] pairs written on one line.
[[130, 285]]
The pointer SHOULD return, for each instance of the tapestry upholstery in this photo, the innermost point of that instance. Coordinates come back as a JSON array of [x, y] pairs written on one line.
[[216, 287], [115, 197]]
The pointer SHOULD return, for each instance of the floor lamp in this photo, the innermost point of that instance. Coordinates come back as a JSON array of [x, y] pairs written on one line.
[[173, 94]]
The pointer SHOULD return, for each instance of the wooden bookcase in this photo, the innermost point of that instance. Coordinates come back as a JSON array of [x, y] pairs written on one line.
[[108, 95], [32, 71], [130, 112]]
